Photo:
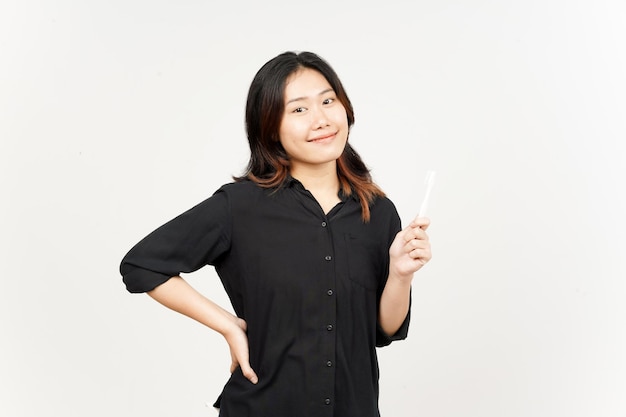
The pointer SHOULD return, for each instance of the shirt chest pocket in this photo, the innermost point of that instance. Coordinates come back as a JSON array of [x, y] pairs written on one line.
[[365, 261]]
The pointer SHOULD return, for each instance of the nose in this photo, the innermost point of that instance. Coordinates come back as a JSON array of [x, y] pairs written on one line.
[[319, 119]]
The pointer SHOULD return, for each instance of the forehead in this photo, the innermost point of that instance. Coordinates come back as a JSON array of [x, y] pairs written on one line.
[[305, 82]]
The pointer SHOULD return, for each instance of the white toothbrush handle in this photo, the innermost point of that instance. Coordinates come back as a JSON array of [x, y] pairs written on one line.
[[430, 180]]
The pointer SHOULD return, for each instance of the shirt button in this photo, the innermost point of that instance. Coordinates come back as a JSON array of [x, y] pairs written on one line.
[[329, 292], [323, 224], [328, 257], [329, 363], [327, 401], [329, 327]]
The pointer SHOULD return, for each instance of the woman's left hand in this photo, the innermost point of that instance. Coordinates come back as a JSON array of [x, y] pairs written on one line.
[[410, 250]]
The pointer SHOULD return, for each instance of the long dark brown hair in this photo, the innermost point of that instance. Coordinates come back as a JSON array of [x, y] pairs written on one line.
[[269, 163]]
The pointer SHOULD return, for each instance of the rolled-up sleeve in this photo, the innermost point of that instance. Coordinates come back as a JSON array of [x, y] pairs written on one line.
[[196, 238], [383, 339]]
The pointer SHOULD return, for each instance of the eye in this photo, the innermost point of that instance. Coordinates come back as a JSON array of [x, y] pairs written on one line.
[[299, 110], [328, 101]]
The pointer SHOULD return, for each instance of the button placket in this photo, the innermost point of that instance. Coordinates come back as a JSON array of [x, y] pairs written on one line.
[[330, 317]]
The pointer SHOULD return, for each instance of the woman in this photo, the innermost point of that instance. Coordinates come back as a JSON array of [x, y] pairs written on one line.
[[310, 251]]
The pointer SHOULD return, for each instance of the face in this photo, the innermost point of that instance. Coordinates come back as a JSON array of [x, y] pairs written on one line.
[[314, 127]]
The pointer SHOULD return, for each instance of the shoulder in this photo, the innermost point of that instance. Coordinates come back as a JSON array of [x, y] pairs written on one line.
[[243, 193], [384, 206], [383, 212], [239, 188], [223, 197]]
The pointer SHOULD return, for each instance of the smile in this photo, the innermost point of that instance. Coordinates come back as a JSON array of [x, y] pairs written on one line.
[[323, 138]]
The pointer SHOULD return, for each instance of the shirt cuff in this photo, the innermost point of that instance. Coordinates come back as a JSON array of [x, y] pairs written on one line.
[[139, 280], [383, 339]]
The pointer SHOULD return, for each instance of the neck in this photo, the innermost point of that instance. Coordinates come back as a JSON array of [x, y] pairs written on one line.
[[319, 178], [322, 183]]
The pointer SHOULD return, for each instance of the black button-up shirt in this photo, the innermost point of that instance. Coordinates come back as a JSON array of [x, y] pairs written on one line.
[[307, 283]]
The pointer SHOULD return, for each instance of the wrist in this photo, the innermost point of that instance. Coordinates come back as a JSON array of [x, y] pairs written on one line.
[[400, 280], [232, 325]]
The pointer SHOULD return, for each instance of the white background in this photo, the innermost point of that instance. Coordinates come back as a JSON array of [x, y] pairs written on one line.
[[116, 116]]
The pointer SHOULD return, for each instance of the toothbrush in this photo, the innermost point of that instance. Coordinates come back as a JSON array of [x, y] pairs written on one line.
[[429, 181]]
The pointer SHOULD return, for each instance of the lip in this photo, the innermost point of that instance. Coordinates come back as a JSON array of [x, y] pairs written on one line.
[[323, 138]]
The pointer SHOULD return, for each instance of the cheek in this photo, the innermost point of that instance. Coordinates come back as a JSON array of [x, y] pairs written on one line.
[[283, 130], [287, 135], [292, 130], [340, 117]]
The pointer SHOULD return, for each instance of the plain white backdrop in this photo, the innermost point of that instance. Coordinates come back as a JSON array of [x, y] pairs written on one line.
[[116, 116]]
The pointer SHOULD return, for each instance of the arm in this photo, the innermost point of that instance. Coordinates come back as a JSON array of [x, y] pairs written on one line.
[[176, 294], [409, 252]]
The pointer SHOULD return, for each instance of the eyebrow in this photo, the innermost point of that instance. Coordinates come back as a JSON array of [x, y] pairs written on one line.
[[304, 98]]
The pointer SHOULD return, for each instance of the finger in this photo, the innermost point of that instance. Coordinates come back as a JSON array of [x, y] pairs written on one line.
[[416, 244], [420, 233], [415, 233], [412, 232], [421, 222], [421, 254], [249, 373], [242, 360]]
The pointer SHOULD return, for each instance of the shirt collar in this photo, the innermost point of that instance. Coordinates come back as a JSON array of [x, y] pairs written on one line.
[[293, 182]]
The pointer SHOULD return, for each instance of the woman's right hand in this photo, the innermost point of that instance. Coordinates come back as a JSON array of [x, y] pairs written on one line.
[[237, 340], [178, 295]]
